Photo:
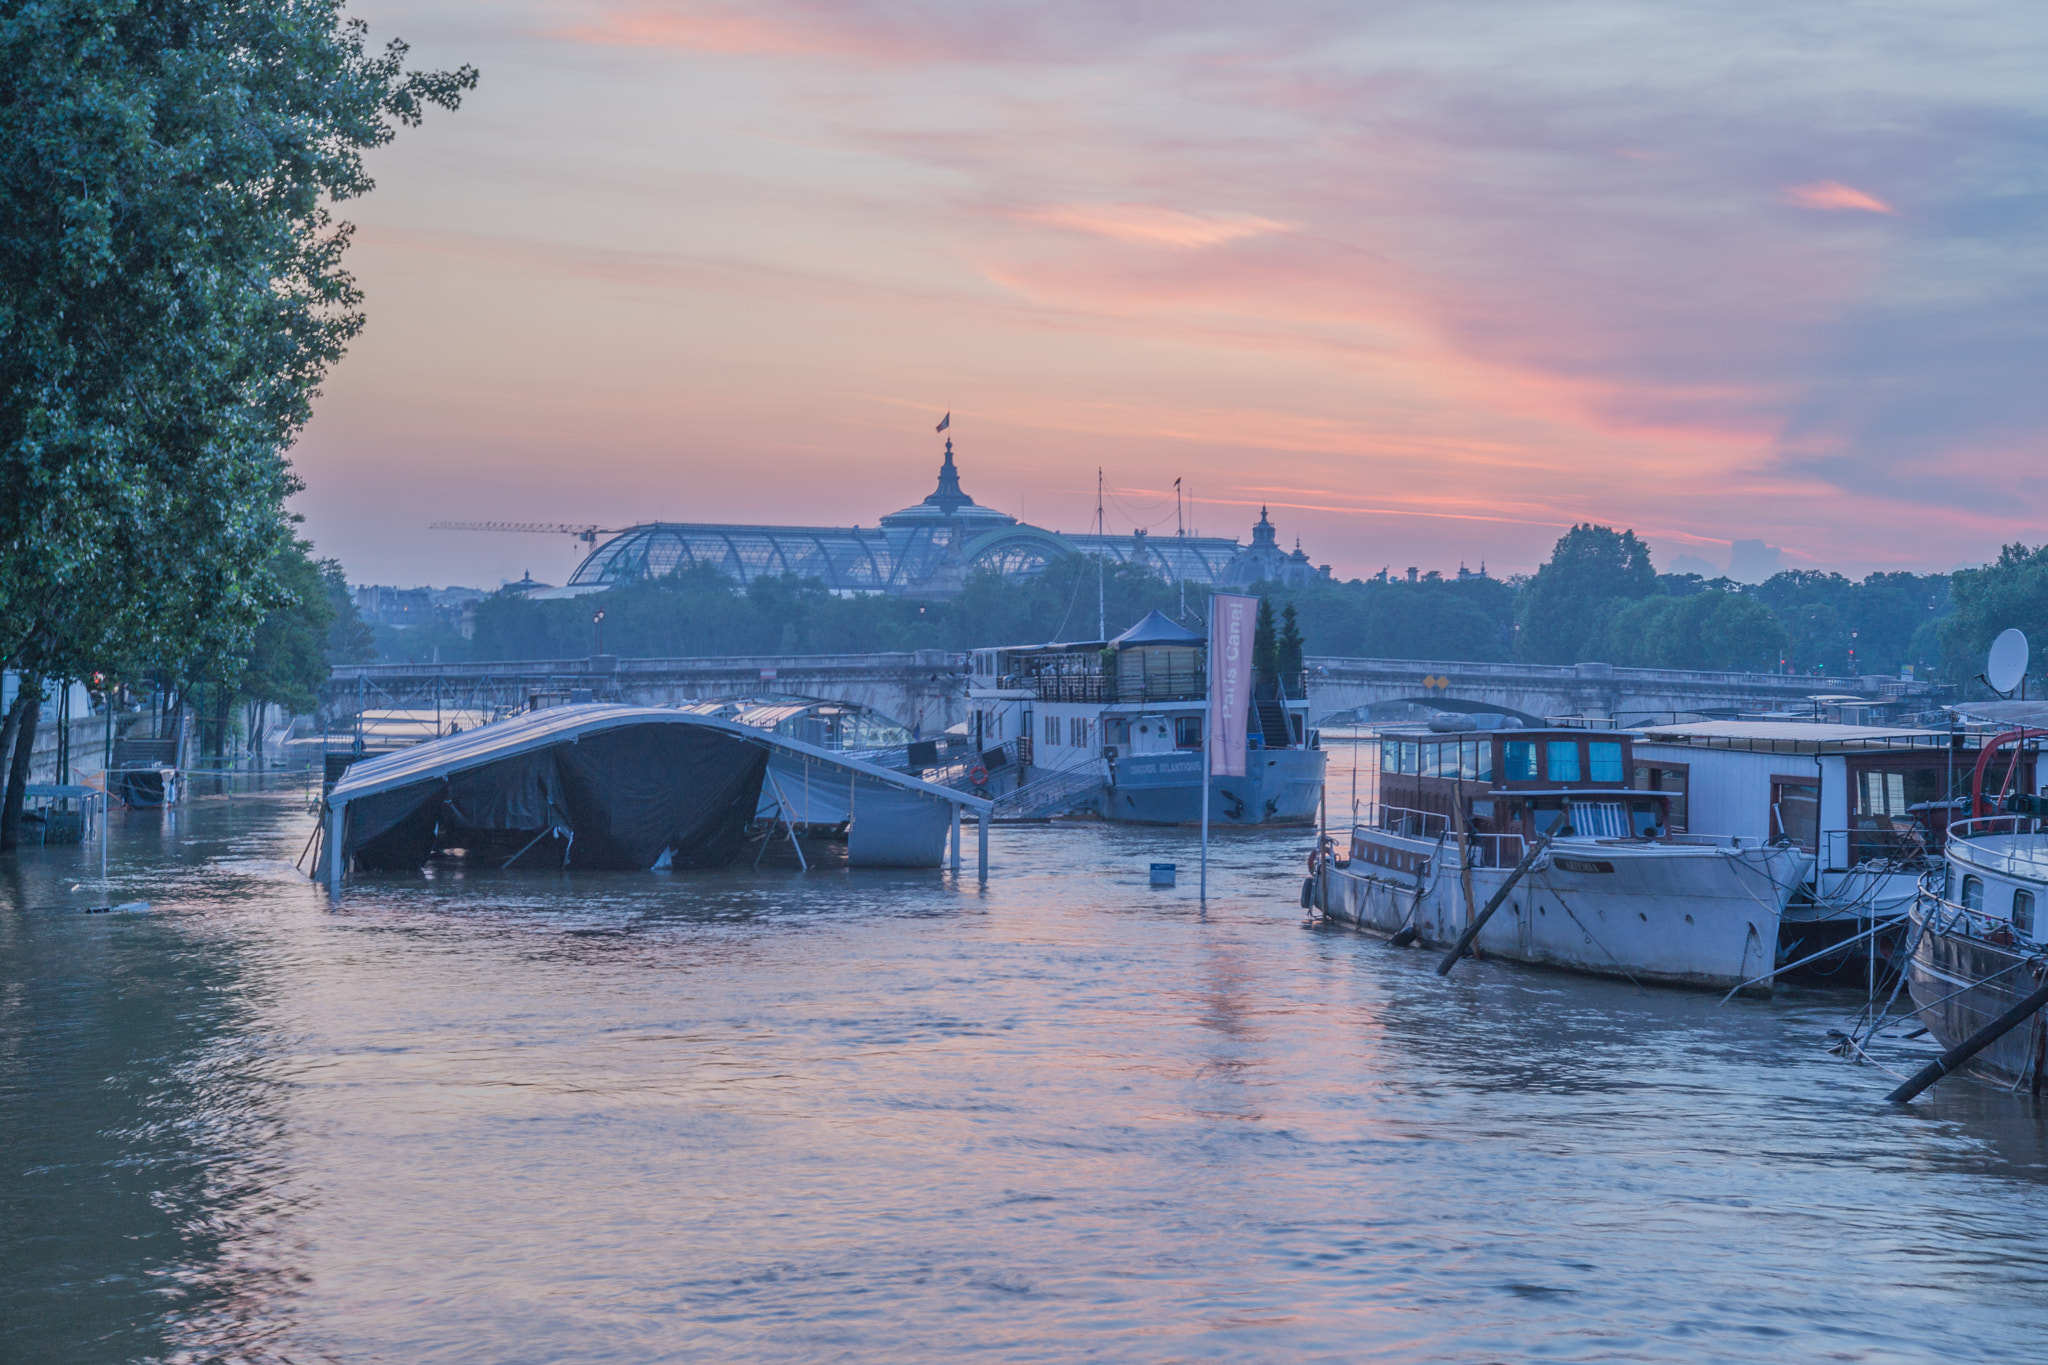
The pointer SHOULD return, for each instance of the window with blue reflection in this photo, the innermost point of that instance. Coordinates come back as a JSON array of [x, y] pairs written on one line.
[[1563, 760], [1603, 761], [1390, 756], [1411, 757], [1485, 773], [1519, 761]]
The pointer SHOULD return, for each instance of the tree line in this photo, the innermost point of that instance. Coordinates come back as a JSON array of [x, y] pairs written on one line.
[[1598, 597]]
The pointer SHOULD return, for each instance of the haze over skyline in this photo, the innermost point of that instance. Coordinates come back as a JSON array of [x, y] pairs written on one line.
[[1432, 282]]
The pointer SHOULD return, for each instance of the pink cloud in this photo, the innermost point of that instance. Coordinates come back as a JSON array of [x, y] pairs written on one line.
[[1150, 225], [1833, 194]]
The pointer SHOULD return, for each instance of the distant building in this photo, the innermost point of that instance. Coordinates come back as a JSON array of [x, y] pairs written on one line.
[[449, 608], [926, 550]]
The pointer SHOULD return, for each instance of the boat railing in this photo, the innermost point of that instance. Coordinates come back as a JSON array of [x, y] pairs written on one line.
[[1416, 824], [1846, 848], [2028, 860], [1485, 850], [1940, 915]]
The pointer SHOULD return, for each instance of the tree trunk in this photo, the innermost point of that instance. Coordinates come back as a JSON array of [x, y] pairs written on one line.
[[7, 732], [24, 750]]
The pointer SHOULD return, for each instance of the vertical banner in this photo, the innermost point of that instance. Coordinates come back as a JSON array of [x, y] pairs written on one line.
[[1232, 619]]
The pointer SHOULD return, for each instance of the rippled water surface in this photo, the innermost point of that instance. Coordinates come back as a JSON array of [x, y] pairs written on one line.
[[885, 1116]]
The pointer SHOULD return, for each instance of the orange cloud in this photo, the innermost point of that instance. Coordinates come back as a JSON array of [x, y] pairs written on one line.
[[1150, 225], [1833, 194]]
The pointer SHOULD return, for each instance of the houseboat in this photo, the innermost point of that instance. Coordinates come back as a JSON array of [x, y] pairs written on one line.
[[1125, 718], [1979, 943], [1870, 804], [1613, 891]]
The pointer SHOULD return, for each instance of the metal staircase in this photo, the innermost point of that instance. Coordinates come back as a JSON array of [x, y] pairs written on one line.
[[1273, 726], [1056, 793]]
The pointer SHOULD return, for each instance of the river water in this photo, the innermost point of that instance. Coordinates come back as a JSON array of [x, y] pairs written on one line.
[[887, 1116]]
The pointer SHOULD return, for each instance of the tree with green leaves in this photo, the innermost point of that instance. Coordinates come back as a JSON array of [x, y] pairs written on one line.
[[1718, 631], [171, 294], [1265, 648], [1568, 608], [2011, 591], [1291, 646]]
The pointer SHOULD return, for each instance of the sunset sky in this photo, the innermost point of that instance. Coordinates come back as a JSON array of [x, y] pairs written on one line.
[[1433, 280]]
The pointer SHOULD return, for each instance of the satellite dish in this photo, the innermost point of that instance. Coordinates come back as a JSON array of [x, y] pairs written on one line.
[[2008, 662]]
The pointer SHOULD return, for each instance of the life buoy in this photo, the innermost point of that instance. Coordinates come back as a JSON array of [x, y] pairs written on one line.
[[978, 775]]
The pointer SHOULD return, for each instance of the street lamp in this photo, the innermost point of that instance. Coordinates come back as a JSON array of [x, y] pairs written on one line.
[[597, 620]]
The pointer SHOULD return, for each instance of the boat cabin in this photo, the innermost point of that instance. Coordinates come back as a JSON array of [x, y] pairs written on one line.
[[1851, 795], [1518, 782]]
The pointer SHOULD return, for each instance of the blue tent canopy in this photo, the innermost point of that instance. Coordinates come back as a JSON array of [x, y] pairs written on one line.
[[1157, 629]]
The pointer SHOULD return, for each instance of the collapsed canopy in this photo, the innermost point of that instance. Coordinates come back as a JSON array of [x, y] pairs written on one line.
[[623, 787]]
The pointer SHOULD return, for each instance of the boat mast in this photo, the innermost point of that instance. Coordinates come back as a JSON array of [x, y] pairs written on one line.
[[1101, 533]]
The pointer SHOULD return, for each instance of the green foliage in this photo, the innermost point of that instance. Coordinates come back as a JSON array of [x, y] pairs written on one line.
[[1433, 619], [1265, 644], [1887, 613], [1567, 610], [171, 294], [349, 638], [287, 659], [2010, 591], [1716, 630], [1292, 646]]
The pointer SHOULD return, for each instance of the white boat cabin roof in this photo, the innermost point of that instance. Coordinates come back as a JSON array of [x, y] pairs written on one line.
[[1783, 736]]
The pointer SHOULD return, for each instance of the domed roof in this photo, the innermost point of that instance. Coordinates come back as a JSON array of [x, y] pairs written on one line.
[[948, 503]]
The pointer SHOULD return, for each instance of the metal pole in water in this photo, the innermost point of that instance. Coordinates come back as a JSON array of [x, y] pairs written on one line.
[[335, 817], [956, 838], [981, 822], [1208, 716]]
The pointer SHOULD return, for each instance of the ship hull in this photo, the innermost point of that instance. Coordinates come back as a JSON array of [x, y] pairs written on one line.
[[1675, 915], [1280, 787], [1961, 982]]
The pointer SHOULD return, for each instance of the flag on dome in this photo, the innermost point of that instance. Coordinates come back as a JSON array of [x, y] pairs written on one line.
[[944, 422]]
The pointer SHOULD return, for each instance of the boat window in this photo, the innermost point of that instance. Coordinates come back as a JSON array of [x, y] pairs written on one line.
[[1468, 759], [1119, 730], [1563, 760], [1670, 781], [1187, 732], [1546, 818], [1603, 761], [1485, 770], [1795, 813], [2023, 912], [1052, 729], [1520, 761], [1429, 760], [1390, 756], [1411, 757], [1599, 820], [1647, 820], [1973, 893]]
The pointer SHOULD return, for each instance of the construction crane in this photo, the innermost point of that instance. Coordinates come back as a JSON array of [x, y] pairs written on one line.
[[587, 534]]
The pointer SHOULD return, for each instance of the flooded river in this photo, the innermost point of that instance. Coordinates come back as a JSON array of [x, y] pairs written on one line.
[[887, 1117]]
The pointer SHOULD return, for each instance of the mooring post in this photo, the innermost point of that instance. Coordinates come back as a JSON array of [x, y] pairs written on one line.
[[956, 838], [335, 820], [981, 822]]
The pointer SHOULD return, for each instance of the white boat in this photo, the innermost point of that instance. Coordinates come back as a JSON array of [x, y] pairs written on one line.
[[1124, 717], [1461, 823], [1979, 941], [1869, 802]]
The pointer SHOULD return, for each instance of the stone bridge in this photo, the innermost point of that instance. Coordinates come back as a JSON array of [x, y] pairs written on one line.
[[926, 690], [1627, 695], [923, 690]]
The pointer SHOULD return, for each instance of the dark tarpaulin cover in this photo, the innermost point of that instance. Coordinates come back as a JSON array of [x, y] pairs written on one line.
[[626, 795]]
